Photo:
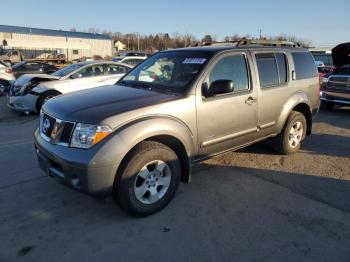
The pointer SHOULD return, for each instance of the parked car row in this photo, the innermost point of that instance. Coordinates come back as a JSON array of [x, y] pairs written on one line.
[[30, 91]]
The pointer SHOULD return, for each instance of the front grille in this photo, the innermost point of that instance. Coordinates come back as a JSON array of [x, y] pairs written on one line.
[[339, 82], [47, 125], [55, 130], [67, 132]]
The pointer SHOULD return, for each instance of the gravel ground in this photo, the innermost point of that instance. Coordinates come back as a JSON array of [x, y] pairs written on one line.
[[249, 205]]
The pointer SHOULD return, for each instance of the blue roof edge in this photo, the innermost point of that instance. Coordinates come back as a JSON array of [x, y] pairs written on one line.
[[50, 32]]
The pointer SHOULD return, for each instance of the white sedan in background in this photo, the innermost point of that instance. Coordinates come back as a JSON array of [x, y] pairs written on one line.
[[130, 60], [29, 92]]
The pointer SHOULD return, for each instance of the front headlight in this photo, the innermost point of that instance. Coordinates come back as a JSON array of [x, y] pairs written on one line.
[[324, 80], [85, 135]]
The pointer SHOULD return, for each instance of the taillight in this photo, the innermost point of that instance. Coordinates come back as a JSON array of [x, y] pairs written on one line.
[[8, 70]]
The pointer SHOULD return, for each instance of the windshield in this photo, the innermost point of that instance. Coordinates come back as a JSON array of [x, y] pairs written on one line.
[[67, 70], [18, 64], [168, 70]]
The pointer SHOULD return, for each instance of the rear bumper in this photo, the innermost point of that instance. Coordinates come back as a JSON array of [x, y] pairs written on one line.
[[26, 103], [74, 167]]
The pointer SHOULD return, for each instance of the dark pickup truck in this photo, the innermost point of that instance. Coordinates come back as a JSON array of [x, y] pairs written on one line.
[[335, 88]]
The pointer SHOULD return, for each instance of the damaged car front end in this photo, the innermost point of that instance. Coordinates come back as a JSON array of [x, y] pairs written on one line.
[[22, 95]]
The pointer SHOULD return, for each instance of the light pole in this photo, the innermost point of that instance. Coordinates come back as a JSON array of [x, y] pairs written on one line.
[[138, 41]]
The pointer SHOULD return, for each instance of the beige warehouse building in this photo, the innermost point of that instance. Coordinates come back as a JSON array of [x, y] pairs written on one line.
[[38, 43]]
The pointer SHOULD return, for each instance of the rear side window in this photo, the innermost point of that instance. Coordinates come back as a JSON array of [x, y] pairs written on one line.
[[282, 67], [272, 69], [304, 65]]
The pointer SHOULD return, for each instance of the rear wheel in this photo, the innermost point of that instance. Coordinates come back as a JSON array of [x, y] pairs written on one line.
[[293, 133], [149, 179], [46, 97]]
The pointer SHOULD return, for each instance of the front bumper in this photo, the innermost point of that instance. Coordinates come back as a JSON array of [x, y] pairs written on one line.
[[76, 168], [26, 103], [338, 98]]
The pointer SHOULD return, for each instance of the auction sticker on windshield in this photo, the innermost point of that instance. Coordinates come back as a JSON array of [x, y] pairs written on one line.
[[194, 61]]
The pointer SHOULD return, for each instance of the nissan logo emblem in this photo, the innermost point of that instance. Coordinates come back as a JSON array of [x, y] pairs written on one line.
[[46, 125]]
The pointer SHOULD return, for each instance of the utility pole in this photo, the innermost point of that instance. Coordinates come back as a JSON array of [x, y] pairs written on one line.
[[138, 41], [260, 34]]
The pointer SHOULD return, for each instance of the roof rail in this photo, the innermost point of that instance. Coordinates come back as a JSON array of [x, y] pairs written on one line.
[[247, 42]]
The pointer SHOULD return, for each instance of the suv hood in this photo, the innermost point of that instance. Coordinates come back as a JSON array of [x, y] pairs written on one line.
[[94, 105], [341, 54]]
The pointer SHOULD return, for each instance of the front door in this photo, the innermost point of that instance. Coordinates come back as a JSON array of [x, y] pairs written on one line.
[[228, 120]]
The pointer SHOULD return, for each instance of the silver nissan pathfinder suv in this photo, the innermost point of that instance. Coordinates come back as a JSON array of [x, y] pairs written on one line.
[[139, 138]]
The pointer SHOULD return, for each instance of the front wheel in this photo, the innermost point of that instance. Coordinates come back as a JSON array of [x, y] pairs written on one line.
[[293, 133], [149, 179], [45, 97]]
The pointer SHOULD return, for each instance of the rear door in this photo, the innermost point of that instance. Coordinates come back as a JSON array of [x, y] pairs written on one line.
[[273, 80], [228, 120]]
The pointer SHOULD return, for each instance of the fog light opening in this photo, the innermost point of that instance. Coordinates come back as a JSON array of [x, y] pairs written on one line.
[[76, 182]]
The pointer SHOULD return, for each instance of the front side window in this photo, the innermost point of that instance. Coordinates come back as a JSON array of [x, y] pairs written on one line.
[[304, 65], [168, 70], [234, 68], [90, 71]]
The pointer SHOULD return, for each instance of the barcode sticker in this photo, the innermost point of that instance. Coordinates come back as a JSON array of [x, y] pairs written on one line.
[[199, 61]]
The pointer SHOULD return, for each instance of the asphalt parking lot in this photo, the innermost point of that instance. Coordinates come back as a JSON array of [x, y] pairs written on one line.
[[250, 205]]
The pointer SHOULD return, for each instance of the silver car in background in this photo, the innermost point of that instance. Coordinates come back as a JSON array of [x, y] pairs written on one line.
[[6, 76], [29, 92]]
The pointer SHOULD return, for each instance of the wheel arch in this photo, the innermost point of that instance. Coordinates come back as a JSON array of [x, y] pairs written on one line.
[[298, 102], [53, 91], [171, 132]]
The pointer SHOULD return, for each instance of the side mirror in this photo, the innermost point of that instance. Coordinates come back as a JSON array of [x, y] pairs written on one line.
[[220, 87], [75, 76]]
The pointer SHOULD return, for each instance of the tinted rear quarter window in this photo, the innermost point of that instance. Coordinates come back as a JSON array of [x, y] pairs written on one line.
[[304, 65]]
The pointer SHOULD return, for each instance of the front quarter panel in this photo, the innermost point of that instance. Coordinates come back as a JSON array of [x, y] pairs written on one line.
[[128, 136]]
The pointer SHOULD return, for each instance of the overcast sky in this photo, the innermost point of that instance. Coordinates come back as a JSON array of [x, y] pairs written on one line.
[[324, 23]]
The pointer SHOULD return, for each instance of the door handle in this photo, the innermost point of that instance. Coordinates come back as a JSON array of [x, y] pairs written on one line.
[[250, 100]]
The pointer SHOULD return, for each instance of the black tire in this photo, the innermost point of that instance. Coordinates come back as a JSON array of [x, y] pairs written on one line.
[[4, 86], [141, 155], [281, 142], [327, 105], [43, 97]]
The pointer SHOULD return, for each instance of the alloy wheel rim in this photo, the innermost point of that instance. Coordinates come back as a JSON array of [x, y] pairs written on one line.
[[295, 134], [152, 182]]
